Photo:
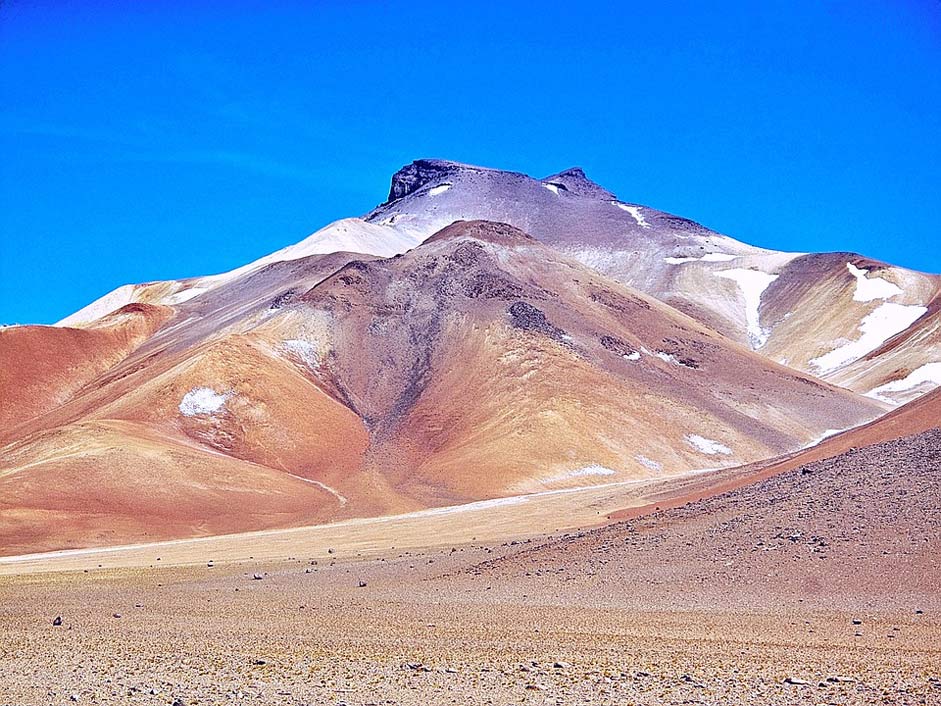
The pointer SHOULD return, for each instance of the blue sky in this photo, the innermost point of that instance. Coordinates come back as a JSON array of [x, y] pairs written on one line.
[[156, 140]]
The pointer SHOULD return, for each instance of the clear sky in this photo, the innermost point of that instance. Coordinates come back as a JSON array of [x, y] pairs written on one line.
[[154, 140]]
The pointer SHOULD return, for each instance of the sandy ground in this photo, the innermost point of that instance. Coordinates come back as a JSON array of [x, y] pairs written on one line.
[[818, 586]]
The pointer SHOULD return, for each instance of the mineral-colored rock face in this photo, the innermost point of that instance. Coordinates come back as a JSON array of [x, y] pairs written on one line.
[[481, 335]]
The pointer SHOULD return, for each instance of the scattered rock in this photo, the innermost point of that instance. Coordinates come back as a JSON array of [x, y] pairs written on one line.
[[796, 682], [57, 621], [257, 577]]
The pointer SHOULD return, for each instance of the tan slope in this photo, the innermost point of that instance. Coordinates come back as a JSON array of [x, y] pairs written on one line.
[[484, 364], [42, 367], [481, 364], [914, 418], [106, 482]]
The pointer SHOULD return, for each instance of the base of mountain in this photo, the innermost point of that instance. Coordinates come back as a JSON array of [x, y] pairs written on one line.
[[817, 585]]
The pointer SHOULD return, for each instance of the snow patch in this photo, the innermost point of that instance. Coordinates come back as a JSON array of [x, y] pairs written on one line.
[[869, 288], [552, 187], [878, 327], [440, 189], [672, 359], [184, 295], [633, 355], [203, 400], [648, 463], [667, 357], [635, 213], [927, 373], [112, 301], [708, 257], [707, 446], [752, 284], [592, 470]]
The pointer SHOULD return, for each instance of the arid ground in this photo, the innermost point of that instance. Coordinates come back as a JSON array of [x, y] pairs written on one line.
[[820, 585]]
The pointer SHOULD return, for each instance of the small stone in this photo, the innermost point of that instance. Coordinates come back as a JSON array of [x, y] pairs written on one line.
[[116, 615], [857, 621], [796, 682], [257, 577], [57, 621], [362, 584], [561, 665]]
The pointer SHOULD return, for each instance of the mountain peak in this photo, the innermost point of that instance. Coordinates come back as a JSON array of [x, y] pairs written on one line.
[[414, 176], [577, 182]]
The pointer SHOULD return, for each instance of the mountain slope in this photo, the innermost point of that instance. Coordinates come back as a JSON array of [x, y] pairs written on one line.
[[479, 364], [820, 313]]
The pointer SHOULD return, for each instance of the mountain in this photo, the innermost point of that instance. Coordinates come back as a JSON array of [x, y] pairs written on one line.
[[851, 320], [479, 335], [858, 322], [482, 363]]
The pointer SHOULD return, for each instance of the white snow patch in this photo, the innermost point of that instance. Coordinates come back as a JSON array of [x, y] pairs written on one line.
[[440, 189], [112, 301], [184, 295], [635, 213], [927, 373], [648, 463], [347, 235], [672, 359], [305, 350], [667, 357], [707, 446], [592, 470], [552, 187], [878, 327], [203, 400], [752, 284], [708, 257], [633, 355], [869, 288]]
